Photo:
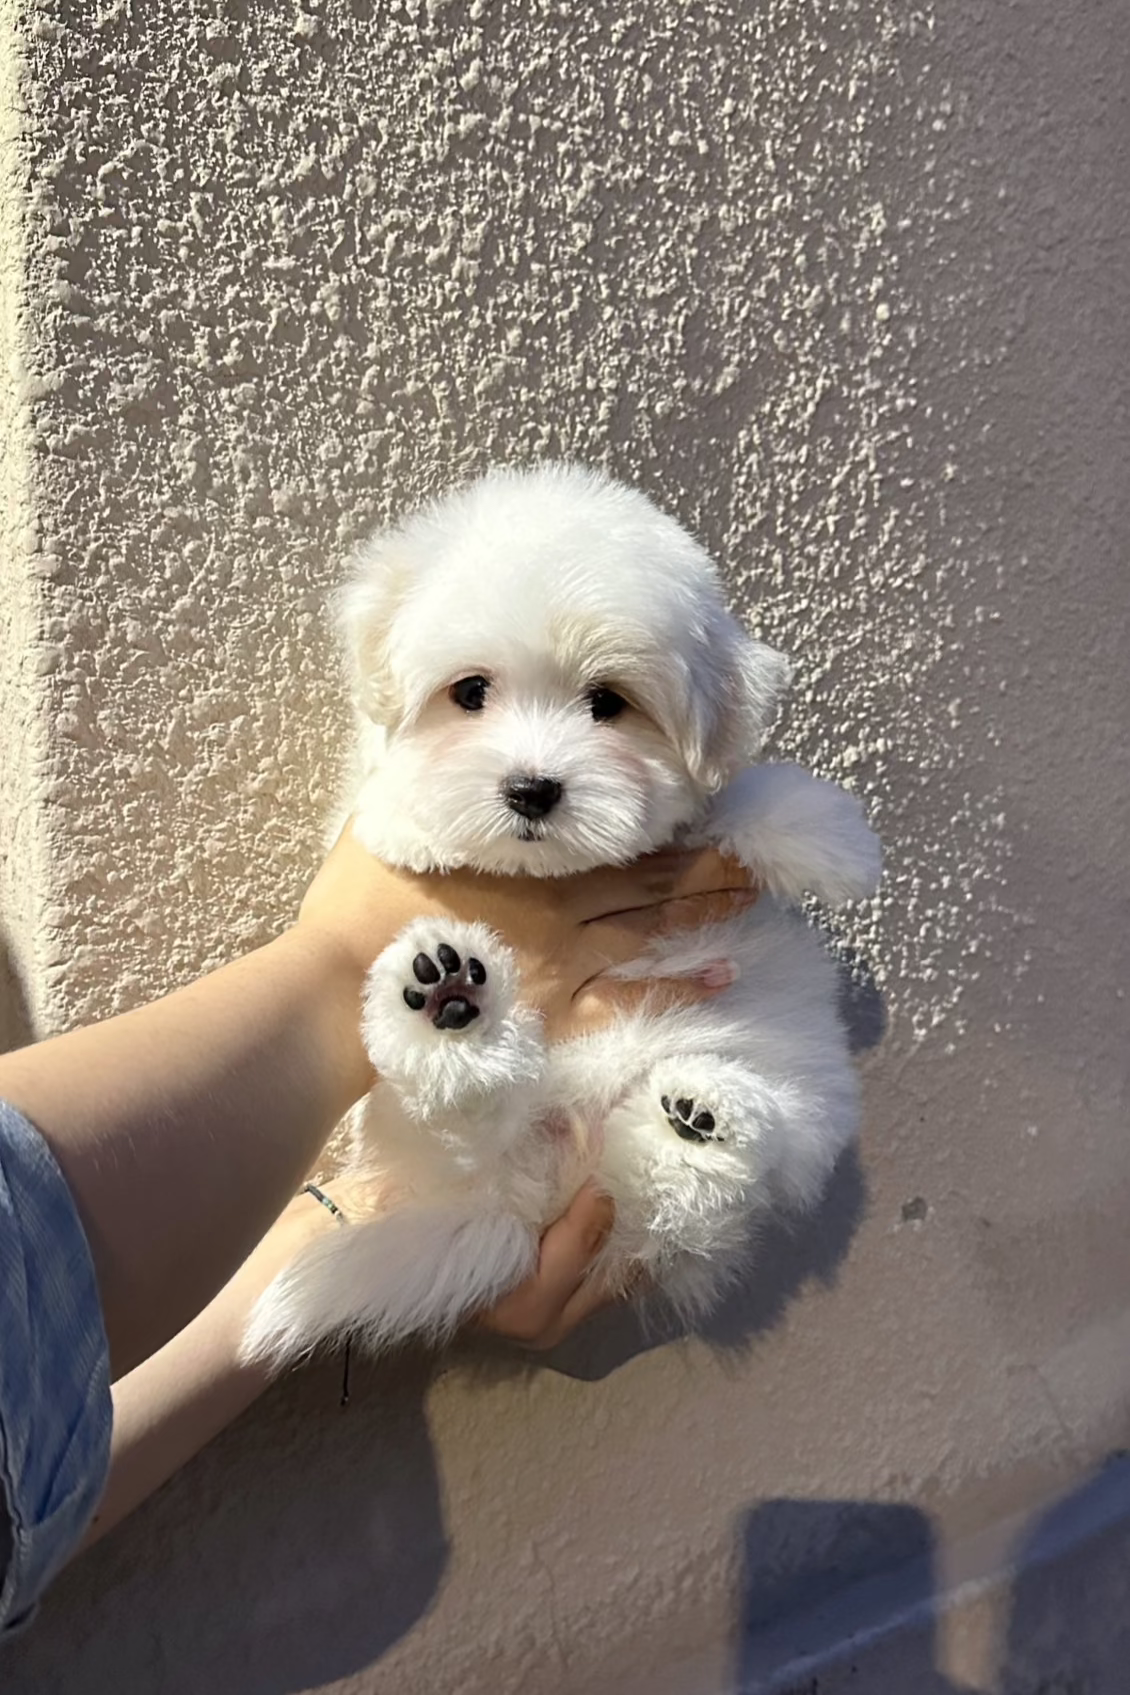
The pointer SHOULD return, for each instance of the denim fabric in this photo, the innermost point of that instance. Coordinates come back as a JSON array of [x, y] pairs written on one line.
[[55, 1410]]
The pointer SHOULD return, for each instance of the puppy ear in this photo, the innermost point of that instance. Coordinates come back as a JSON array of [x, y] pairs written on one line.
[[749, 680], [365, 610], [762, 676]]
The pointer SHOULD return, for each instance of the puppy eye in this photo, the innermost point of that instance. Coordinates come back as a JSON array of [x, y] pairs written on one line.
[[470, 693], [606, 703]]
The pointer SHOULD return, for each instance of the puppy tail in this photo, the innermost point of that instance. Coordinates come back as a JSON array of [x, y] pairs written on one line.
[[416, 1272]]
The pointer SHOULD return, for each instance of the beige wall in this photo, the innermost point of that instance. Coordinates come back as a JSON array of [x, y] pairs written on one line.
[[23, 722], [845, 285]]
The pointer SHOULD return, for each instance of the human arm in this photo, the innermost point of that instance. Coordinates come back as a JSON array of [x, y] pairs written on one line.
[[169, 1407], [184, 1127]]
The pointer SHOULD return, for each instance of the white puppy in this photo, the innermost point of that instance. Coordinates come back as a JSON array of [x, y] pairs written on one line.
[[548, 680]]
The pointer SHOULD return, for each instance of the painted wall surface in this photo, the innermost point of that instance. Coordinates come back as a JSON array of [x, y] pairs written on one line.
[[846, 286]]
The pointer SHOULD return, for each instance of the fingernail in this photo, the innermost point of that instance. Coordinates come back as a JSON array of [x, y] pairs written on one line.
[[719, 974]]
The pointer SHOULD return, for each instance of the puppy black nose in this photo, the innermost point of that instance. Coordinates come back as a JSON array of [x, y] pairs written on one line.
[[531, 797]]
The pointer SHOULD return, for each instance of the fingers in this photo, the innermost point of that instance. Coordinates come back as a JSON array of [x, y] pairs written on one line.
[[673, 873], [593, 1296], [617, 940], [697, 910], [559, 1295], [602, 999], [704, 871]]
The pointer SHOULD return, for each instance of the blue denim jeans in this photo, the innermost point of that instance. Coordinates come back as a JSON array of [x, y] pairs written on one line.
[[55, 1411]]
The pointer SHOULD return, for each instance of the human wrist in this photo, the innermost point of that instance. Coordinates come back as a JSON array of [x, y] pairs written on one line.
[[299, 1225]]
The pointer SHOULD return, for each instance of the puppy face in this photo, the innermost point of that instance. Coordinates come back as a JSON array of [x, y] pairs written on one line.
[[547, 677]]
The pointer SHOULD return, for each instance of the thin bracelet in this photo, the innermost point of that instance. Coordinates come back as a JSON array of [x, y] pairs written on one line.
[[332, 1206], [320, 1195]]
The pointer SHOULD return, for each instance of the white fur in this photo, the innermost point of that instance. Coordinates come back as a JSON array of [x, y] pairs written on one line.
[[548, 583]]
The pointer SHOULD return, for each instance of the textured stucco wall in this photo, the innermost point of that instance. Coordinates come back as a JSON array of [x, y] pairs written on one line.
[[844, 284], [23, 726]]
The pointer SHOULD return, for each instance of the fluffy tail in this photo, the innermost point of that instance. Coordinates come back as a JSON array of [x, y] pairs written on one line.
[[416, 1272]]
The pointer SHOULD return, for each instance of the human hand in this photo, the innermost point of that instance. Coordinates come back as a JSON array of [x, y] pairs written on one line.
[[559, 1293], [542, 1311], [567, 933]]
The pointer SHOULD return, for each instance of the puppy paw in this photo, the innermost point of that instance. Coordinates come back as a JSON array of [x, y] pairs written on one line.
[[446, 989], [801, 834], [439, 981], [846, 859], [441, 1018], [717, 1108], [690, 1121], [688, 1160], [700, 1101]]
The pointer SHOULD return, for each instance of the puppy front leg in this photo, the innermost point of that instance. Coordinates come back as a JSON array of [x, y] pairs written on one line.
[[801, 834], [442, 1021]]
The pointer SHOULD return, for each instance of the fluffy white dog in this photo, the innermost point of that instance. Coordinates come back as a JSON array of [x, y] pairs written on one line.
[[548, 680]]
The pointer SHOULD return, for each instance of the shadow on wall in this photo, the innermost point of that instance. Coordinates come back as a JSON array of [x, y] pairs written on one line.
[[325, 1525], [335, 1532], [818, 1572], [330, 1524], [821, 1574], [15, 1018], [789, 1254]]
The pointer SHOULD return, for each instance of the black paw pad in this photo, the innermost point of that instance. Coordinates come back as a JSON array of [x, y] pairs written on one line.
[[455, 1014], [447, 987], [692, 1126]]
